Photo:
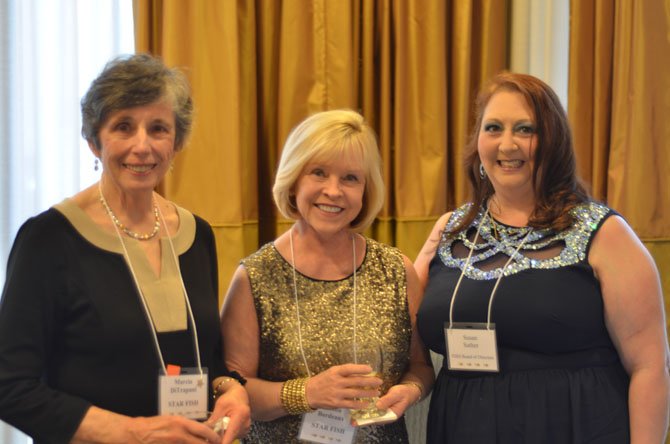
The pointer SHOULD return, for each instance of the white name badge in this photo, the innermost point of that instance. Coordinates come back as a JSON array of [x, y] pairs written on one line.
[[184, 394], [471, 347], [327, 427]]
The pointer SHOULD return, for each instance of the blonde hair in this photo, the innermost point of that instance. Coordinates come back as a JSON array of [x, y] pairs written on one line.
[[325, 136]]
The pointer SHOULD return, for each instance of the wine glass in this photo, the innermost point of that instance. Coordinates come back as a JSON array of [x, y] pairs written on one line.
[[372, 355]]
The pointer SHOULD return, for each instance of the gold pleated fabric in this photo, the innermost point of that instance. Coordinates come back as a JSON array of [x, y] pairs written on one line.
[[258, 67], [619, 106], [216, 175]]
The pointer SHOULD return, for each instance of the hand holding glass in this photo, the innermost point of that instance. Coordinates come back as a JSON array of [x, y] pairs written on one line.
[[374, 357]]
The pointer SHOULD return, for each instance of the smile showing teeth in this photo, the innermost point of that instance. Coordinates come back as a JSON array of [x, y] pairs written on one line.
[[510, 163], [329, 209], [139, 168]]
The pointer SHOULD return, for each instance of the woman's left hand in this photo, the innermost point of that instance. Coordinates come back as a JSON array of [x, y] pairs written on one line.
[[233, 403], [399, 398]]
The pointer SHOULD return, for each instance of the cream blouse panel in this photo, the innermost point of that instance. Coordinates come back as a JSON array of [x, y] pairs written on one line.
[[163, 294]]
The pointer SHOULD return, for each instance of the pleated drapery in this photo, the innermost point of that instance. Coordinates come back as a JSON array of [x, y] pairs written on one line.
[[257, 68], [619, 106]]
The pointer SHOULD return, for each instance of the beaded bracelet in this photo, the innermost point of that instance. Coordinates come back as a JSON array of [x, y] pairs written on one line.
[[217, 390], [293, 396]]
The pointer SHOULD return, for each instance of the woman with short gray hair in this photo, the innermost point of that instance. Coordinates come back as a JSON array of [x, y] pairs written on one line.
[[109, 327]]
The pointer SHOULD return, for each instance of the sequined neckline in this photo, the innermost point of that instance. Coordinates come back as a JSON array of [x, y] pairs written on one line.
[[588, 217], [350, 276]]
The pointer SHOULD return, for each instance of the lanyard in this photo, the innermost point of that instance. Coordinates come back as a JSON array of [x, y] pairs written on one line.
[[143, 300], [495, 287], [297, 305]]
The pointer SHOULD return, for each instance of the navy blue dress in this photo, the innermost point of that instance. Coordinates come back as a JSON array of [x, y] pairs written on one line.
[[561, 379]]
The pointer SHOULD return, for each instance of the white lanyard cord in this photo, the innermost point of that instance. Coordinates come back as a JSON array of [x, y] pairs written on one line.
[[460, 278], [353, 254], [297, 305], [495, 287], [143, 300], [196, 346]]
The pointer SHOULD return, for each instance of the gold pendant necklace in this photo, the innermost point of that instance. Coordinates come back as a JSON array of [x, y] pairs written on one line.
[[122, 227], [495, 229]]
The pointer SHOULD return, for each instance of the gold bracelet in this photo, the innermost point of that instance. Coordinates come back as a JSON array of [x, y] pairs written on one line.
[[217, 390], [417, 385], [293, 396]]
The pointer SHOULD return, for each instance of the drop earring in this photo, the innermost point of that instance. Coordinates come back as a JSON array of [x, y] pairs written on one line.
[[95, 165], [482, 171]]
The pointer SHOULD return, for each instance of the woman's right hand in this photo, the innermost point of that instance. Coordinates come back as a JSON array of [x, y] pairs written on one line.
[[234, 404], [168, 429], [101, 425], [341, 385]]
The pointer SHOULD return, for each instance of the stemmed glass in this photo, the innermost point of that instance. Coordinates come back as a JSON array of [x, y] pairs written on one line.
[[373, 356]]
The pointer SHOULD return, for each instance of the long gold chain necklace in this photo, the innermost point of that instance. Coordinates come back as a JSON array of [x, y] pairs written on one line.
[[122, 227]]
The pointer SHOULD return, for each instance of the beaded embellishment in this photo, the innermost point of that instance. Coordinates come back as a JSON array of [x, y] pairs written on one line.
[[125, 229], [576, 239]]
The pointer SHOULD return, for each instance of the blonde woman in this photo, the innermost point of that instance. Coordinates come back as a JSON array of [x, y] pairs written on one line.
[[298, 305]]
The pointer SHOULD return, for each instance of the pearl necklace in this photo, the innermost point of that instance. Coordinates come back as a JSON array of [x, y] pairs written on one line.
[[122, 227]]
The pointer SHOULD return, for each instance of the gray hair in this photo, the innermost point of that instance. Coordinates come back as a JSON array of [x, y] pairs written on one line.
[[136, 80]]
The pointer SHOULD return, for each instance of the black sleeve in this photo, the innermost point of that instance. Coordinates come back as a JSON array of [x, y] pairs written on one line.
[[32, 311], [218, 367]]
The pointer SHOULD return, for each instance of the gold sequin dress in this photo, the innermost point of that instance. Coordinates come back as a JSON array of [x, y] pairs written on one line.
[[327, 324]]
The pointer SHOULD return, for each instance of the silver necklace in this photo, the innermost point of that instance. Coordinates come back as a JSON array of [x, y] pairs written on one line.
[[122, 227]]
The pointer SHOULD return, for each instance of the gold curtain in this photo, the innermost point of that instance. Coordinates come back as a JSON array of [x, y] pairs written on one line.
[[619, 106], [216, 174], [257, 68]]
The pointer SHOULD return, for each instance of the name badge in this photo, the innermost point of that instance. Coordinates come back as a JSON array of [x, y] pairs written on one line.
[[184, 394], [471, 347], [327, 427]]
